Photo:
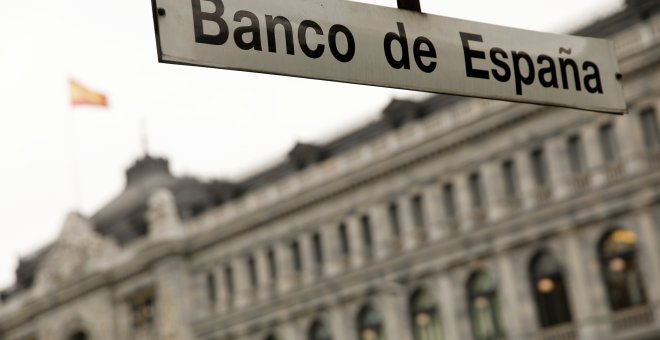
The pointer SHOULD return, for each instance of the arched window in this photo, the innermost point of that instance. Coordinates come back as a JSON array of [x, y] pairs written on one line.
[[618, 264], [79, 335], [424, 318], [369, 324], [547, 282], [319, 331], [484, 307]]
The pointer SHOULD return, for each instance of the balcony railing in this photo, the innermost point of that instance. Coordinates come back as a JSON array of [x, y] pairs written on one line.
[[632, 318], [614, 170], [580, 181], [560, 332], [542, 194]]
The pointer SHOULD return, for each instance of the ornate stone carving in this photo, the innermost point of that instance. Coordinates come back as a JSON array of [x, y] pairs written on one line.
[[76, 250], [162, 215]]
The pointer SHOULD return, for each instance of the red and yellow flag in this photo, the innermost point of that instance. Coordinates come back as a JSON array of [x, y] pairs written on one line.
[[80, 95]]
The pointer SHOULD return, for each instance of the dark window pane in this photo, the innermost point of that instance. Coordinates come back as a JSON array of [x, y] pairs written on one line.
[[343, 239], [366, 230], [608, 143], [210, 286], [547, 283], [620, 271], [296, 257], [650, 128], [229, 280], [576, 154], [510, 178], [418, 211], [449, 200], [318, 248], [476, 190], [393, 212], [272, 262], [539, 167], [252, 272]]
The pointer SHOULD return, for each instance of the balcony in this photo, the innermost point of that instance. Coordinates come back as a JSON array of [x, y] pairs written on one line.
[[580, 181], [632, 318], [560, 332], [542, 194], [613, 170]]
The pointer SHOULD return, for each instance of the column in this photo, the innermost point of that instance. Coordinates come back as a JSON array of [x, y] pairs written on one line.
[[395, 311], [433, 212], [307, 258], [447, 307], [408, 228], [510, 307], [558, 167], [526, 181], [242, 285], [464, 206], [382, 230], [285, 271], [495, 199], [263, 273], [649, 259], [173, 307], [340, 323], [221, 284], [332, 251], [356, 241], [594, 155], [580, 290], [631, 141]]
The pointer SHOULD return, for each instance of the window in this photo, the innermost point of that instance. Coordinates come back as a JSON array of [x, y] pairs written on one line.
[[476, 190], [366, 231], [418, 211], [296, 257], [650, 129], [539, 167], [143, 308], [395, 223], [449, 200], [272, 263], [269, 337], [318, 248], [483, 307], [369, 324], [576, 155], [79, 335], [608, 144], [547, 283], [229, 281], [210, 288], [343, 240], [319, 331], [618, 264], [252, 272], [424, 318], [510, 176]]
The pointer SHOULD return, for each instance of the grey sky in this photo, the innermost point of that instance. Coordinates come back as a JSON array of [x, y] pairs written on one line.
[[210, 123]]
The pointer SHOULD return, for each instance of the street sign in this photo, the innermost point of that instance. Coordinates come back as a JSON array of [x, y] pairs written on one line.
[[365, 44]]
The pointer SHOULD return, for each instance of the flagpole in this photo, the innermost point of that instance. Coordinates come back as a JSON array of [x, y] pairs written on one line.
[[75, 173]]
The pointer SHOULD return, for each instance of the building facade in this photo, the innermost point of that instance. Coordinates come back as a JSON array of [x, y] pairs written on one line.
[[447, 218]]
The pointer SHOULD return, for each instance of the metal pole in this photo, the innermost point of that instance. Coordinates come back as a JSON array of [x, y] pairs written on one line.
[[411, 5]]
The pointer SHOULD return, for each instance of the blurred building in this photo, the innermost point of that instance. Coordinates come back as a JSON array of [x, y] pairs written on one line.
[[448, 218]]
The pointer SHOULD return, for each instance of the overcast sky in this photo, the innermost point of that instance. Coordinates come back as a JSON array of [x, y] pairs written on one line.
[[209, 123]]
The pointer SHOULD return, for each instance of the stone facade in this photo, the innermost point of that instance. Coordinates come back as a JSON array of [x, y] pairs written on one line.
[[450, 189]]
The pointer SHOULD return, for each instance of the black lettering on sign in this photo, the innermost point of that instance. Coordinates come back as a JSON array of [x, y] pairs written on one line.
[[470, 54], [288, 33], [302, 38], [420, 51], [402, 40], [216, 16], [525, 71], [332, 41], [253, 28]]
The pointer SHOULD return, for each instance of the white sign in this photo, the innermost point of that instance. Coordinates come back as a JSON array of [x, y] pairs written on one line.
[[366, 44]]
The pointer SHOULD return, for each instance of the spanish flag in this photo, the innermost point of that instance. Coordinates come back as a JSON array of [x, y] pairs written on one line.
[[80, 95]]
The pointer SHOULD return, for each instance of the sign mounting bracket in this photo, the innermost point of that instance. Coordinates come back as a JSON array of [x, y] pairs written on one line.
[[410, 5]]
